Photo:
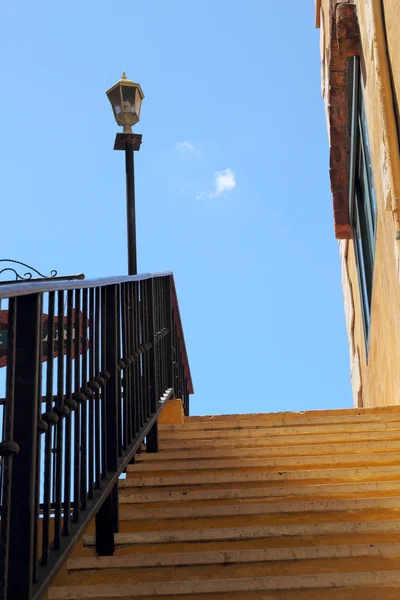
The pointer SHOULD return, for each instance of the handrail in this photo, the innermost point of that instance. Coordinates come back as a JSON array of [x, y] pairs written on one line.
[[115, 353], [13, 290], [76, 277], [39, 287]]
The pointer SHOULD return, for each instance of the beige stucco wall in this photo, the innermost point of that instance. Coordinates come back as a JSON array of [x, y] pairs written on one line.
[[392, 22], [376, 382]]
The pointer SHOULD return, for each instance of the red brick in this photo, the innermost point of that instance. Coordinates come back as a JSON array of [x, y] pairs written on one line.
[[338, 136], [344, 10], [339, 179], [337, 95], [337, 62], [343, 232], [341, 217], [338, 78], [340, 202], [337, 157], [347, 30], [337, 115]]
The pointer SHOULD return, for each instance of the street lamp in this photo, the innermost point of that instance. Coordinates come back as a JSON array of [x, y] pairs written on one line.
[[126, 99]]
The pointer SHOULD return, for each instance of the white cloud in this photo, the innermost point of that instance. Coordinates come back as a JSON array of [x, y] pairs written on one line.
[[185, 147], [224, 181]]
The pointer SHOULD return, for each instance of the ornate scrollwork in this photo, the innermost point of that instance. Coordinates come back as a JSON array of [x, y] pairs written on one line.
[[26, 276]]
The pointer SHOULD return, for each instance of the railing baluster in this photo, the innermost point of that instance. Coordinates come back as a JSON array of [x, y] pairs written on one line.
[[92, 385], [174, 355], [163, 325], [124, 376], [104, 391], [186, 397], [97, 453], [146, 407], [106, 516], [8, 447], [129, 354], [72, 405], [136, 365], [168, 355], [51, 419], [61, 410], [142, 401], [119, 372], [157, 301], [23, 492], [155, 309], [41, 428], [78, 397], [152, 437], [179, 364], [123, 433], [87, 392]]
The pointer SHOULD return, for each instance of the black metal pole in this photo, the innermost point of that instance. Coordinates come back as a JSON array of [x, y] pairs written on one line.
[[23, 515], [130, 208], [105, 529], [130, 142], [107, 516]]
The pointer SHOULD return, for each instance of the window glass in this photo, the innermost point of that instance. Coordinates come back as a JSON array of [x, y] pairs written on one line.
[[362, 196]]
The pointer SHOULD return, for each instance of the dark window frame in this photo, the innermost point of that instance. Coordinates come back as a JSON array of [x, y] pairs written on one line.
[[362, 199]]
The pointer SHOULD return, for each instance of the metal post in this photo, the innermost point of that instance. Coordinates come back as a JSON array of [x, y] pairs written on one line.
[[8, 449], [169, 324], [130, 142], [130, 208], [152, 436], [152, 439], [24, 480], [107, 516]]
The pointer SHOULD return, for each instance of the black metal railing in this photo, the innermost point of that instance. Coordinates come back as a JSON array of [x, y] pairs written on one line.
[[87, 368]]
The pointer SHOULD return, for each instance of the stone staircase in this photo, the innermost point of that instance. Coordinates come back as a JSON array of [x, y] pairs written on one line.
[[275, 506]]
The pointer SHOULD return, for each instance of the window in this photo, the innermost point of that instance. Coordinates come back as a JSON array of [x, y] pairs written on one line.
[[362, 201]]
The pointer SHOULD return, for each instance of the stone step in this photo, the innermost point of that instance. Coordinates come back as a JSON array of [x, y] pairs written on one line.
[[348, 447], [380, 410], [268, 494], [196, 512], [338, 473], [278, 441], [310, 430], [204, 557], [123, 546], [261, 463], [197, 579], [267, 533], [284, 420], [265, 519], [127, 592]]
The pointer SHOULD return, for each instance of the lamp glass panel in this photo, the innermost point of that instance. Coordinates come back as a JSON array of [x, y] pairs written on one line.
[[138, 103], [115, 99], [128, 95]]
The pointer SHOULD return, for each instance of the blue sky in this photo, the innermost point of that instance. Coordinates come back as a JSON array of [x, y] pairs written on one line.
[[232, 181]]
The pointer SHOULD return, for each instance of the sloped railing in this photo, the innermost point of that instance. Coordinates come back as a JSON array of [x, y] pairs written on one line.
[[87, 367]]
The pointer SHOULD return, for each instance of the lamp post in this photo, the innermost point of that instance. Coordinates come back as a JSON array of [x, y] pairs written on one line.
[[126, 99]]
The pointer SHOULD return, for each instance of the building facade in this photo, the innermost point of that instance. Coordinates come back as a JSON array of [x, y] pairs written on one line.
[[360, 72]]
